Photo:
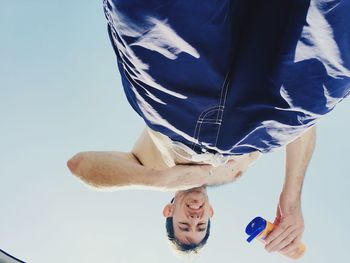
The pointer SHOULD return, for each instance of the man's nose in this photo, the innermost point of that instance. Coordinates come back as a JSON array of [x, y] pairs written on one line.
[[195, 216]]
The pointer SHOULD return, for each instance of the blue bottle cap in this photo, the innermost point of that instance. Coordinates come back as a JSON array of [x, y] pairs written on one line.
[[255, 227]]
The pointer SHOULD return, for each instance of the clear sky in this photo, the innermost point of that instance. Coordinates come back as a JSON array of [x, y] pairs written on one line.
[[61, 94]]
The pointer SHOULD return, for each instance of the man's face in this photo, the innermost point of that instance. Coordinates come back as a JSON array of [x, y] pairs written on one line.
[[190, 211]]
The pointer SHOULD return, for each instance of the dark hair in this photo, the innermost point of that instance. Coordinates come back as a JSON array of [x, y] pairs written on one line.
[[186, 248]]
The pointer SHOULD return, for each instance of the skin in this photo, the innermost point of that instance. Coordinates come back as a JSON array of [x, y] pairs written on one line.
[[286, 237], [143, 167], [190, 211]]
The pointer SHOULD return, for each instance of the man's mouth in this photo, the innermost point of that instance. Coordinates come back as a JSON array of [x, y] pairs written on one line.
[[195, 206]]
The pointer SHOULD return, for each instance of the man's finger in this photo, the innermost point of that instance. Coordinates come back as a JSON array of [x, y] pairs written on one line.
[[275, 244], [277, 221], [292, 248], [278, 230], [231, 162], [296, 253], [278, 216], [285, 242]]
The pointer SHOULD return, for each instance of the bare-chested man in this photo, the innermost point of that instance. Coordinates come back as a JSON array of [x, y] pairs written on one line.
[[216, 84], [188, 216]]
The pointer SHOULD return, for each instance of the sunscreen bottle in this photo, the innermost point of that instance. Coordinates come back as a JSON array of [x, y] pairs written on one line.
[[259, 228]]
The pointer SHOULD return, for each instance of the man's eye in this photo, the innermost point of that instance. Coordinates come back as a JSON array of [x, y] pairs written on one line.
[[201, 230]]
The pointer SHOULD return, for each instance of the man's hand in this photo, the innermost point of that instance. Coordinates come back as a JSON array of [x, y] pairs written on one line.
[[183, 176], [286, 236], [186, 176]]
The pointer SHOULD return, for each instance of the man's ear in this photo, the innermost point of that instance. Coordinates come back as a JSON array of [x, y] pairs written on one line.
[[168, 210], [211, 211]]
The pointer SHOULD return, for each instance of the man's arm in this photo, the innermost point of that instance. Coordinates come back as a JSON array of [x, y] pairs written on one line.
[[298, 156], [108, 170], [286, 237]]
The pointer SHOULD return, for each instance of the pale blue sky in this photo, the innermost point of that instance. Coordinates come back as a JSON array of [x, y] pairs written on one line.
[[61, 93]]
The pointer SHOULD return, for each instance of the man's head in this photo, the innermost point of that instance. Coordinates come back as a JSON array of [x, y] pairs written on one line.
[[188, 219]]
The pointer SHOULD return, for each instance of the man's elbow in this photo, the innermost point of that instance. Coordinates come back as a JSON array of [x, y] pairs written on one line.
[[76, 167], [86, 168], [74, 163]]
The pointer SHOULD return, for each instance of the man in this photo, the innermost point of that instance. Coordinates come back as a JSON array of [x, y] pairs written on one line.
[[225, 80], [188, 217]]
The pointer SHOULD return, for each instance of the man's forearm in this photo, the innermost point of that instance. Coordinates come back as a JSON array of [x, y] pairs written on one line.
[[113, 170], [298, 156], [110, 169]]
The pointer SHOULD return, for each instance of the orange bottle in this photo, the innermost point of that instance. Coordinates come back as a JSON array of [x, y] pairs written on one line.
[[259, 228]]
